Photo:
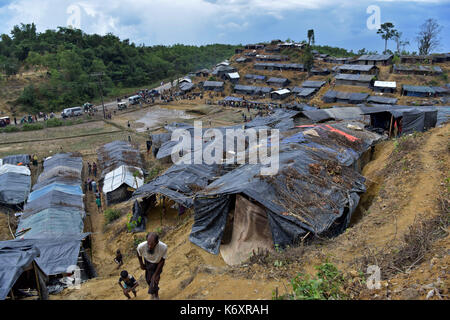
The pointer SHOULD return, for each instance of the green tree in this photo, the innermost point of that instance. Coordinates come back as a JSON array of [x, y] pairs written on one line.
[[387, 32]]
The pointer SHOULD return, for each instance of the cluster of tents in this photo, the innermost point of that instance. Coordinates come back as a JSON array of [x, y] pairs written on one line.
[[237, 210], [121, 170], [49, 237]]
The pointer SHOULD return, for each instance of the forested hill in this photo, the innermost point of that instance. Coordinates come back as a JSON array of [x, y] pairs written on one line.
[[71, 56]]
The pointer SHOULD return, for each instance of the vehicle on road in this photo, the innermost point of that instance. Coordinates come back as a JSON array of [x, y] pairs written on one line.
[[87, 106], [121, 106], [4, 121], [134, 99], [72, 112]]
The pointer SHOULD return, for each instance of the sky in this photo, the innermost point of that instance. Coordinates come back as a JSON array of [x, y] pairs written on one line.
[[348, 24]]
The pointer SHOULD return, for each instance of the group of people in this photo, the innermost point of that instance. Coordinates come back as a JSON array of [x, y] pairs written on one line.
[[151, 255], [91, 184]]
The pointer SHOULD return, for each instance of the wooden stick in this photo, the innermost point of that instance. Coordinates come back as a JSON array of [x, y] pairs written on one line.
[[37, 279], [390, 126]]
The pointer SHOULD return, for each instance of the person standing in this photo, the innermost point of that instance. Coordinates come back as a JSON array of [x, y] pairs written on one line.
[[152, 255], [89, 168], [94, 186], [89, 184], [99, 204], [94, 169]]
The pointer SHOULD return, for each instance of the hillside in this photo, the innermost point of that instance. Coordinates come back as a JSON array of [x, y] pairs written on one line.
[[71, 57]]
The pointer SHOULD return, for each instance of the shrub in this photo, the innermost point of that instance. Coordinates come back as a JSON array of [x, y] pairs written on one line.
[[111, 215], [326, 285], [54, 122], [11, 129], [32, 126]]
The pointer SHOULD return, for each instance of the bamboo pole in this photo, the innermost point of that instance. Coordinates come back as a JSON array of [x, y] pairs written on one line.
[[390, 126], [38, 285]]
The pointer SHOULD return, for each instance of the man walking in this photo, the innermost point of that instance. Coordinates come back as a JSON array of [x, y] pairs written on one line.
[[94, 169], [152, 255]]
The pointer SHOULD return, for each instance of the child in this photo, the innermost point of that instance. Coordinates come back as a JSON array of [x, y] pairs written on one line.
[[129, 284], [99, 204], [118, 259]]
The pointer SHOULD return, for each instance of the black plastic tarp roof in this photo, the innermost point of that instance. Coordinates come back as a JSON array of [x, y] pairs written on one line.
[[14, 188], [180, 182], [307, 195], [56, 254], [15, 256]]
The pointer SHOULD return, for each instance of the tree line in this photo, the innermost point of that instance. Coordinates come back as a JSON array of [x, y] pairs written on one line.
[[71, 56]]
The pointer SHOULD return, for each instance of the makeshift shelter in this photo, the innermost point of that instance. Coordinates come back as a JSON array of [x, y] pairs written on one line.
[[19, 270], [385, 86], [332, 96], [233, 77], [414, 69], [119, 184], [213, 86], [251, 90], [315, 192], [187, 87], [381, 100], [345, 60], [118, 153], [222, 70], [313, 84], [15, 184], [375, 59], [24, 159], [320, 71], [414, 59], [402, 121], [280, 94], [202, 73], [363, 80], [417, 91], [278, 82], [255, 78], [304, 93], [242, 60], [358, 69]]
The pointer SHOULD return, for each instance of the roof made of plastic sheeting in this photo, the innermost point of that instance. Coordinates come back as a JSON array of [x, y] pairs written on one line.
[[180, 182], [313, 84], [383, 100], [16, 159], [118, 153], [15, 257], [347, 113], [75, 190], [52, 223], [316, 189], [375, 57], [60, 171], [53, 199], [64, 160], [120, 176], [354, 77], [56, 254], [9, 168], [59, 179], [14, 188]]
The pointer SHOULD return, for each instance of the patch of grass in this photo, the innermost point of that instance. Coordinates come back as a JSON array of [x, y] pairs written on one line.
[[54, 122], [326, 285], [32, 126], [111, 215], [8, 129]]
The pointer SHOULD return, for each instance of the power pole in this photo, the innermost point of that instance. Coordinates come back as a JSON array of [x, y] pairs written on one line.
[[100, 84]]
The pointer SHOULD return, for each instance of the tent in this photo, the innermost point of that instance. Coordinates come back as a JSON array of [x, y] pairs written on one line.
[[15, 184], [16, 159], [315, 191], [119, 184], [17, 258], [118, 153]]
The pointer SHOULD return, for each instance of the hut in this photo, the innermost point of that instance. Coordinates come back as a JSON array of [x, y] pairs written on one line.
[[280, 94], [417, 91], [313, 84], [213, 86], [233, 77], [304, 93], [375, 59], [385, 86], [362, 80], [119, 184], [416, 69], [280, 82], [255, 78], [358, 69], [381, 100]]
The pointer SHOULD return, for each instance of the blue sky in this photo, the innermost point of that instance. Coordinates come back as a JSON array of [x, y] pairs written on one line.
[[336, 23]]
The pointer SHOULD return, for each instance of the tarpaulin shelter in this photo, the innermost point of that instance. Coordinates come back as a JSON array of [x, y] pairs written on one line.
[[15, 184], [315, 191], [180, 182], [16, 159], [53, 199], [118, 153], [17, 265], [52, 223], [119, 184], [75, 190]]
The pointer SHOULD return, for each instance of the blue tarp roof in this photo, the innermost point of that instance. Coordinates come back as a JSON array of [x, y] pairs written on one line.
[[55, 186]]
